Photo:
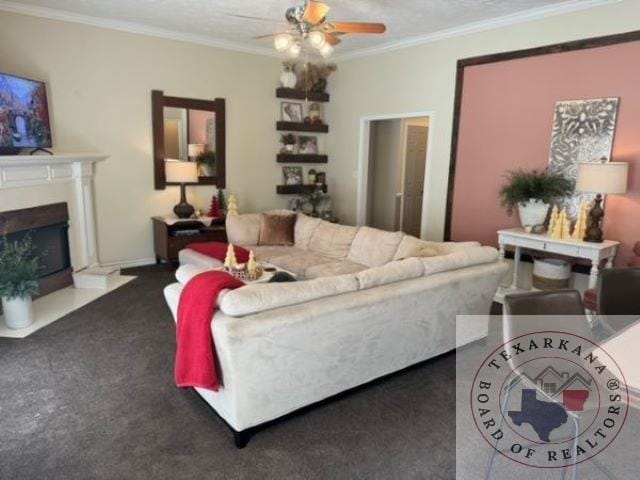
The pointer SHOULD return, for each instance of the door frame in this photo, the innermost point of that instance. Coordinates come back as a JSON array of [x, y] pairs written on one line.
[[363, 162]]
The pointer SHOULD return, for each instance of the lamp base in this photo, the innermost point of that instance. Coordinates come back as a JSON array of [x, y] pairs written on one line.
[[183, 210], [594, 232]]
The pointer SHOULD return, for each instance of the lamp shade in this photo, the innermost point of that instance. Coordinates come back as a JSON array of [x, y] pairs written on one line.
[[608, 177], [196, 149], [181, 172]]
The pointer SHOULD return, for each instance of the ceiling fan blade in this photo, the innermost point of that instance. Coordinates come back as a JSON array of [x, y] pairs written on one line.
[[268, 35], [357, 27], [331, 39], [315, 12], [258, 19]]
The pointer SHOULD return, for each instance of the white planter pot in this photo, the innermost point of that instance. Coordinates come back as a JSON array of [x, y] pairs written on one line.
[[533, 213], [18, 312]]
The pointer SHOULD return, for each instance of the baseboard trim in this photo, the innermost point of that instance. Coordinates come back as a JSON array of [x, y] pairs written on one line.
[[141, 262]]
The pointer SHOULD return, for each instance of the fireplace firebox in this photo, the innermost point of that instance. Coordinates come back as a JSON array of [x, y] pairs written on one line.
[[48, 226]]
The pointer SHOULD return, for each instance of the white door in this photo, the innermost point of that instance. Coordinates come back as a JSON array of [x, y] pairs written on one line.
[[413, 188]]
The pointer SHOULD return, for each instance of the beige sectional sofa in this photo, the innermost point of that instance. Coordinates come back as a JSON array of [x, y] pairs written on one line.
[[367, 305]]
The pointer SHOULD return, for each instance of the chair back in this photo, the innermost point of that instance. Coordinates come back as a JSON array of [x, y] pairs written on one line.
[[619, 296], [558, 310]]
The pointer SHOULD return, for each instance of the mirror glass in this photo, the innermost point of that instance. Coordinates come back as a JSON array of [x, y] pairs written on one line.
[[190, 135]]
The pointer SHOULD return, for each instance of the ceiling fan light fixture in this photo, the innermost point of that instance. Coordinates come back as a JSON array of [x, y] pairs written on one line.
[[316, 39], [326, 50], [294, 49], [283, 41]]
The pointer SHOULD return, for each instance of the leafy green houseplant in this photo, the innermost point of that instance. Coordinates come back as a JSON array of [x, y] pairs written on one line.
[[532, 192], [207, 163], [18, 281]]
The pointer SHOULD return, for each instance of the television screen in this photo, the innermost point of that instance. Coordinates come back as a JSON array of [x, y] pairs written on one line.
[[24, 114]]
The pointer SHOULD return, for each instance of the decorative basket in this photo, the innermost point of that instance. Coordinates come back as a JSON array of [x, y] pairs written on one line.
[[244, 275], [551, 274]]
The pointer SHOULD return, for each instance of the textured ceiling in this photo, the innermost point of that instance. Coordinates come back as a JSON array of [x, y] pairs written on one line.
[[210, 19]]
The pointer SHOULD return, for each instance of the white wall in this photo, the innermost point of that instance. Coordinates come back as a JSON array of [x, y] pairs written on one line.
[[422, 78], [99, 85]]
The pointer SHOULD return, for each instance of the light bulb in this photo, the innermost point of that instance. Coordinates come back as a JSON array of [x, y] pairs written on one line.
[[326, 50], [316, 39], [282, 41], [294, 49]]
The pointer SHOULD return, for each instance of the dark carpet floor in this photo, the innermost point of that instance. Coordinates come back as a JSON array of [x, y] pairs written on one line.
[[92, 396]]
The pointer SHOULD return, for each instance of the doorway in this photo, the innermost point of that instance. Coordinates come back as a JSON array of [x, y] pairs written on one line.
[[393, 172]]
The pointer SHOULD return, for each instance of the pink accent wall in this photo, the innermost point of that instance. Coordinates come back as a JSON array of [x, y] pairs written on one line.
[[198, 125], [505, 124]]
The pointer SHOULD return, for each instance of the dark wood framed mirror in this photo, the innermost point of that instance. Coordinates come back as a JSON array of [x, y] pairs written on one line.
[[189, 129]]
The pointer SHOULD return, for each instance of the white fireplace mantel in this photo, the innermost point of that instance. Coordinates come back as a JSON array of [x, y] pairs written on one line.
[[32, 180]]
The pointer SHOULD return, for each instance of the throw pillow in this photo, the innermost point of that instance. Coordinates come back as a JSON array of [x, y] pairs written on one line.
[[276, 229]]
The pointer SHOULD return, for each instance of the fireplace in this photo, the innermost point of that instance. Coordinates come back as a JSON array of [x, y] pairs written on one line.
[[48, 227]]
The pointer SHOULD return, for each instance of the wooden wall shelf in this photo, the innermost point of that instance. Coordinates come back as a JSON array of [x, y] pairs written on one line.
[[301, 127], [301, 158], [294, 94], [297, 189]]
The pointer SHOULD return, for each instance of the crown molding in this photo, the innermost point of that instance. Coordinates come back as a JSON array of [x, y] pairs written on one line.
[[140, 29], [475, 27], [132, 27]]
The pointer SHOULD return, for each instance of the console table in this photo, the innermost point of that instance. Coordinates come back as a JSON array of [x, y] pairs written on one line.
[[172, 235], [594, 252]]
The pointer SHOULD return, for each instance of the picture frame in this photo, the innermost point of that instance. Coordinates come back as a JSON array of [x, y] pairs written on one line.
[[291, 112], [292, 175], [308, 144], [321, 178]]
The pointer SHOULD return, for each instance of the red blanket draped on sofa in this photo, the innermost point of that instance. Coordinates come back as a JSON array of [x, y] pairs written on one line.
[[219, 250], [195, 356]]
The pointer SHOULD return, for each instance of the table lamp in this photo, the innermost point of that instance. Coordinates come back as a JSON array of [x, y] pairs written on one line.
[[195, 149], [601, 178], [180, 172]]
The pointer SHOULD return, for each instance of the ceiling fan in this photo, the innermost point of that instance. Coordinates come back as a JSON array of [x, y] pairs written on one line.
[[308, 22]]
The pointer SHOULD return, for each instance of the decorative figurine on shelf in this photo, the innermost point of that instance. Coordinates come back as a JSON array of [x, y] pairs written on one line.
[[214, 208], [288, 78], [289, 142], [222, 202], [558, 225], [553, 219], [312, 77], [566, 225], [230, 261], [580, 229], [252, 265], [315, 115], [232, 207]]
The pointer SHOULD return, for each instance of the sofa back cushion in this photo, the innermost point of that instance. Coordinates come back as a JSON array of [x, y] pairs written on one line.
[[303, 230], [462, 258], [243, 229], [276, 229], [390, 273], [373, 247], [332, 240], [266, 296]]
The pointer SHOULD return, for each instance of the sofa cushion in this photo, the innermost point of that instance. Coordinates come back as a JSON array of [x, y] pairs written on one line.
[[265, 253], [243, 229], [390, 273], [276, 229], [462, 258], [303, 230], [187, 256], [373, 247], [300, 262], [266, 296], [332, 240], [184, 273], [334, 268], [414, 247]]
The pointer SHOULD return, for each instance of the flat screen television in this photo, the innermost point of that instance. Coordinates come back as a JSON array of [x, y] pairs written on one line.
[[24, 114]]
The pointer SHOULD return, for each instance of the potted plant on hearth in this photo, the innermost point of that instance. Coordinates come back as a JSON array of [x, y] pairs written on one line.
[[207, 163], [532, 192], [18, 281]]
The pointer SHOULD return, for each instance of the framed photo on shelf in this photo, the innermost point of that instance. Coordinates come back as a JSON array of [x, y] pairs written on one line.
[[321, 178], [292, 175], [308, 145], [292, 112]]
